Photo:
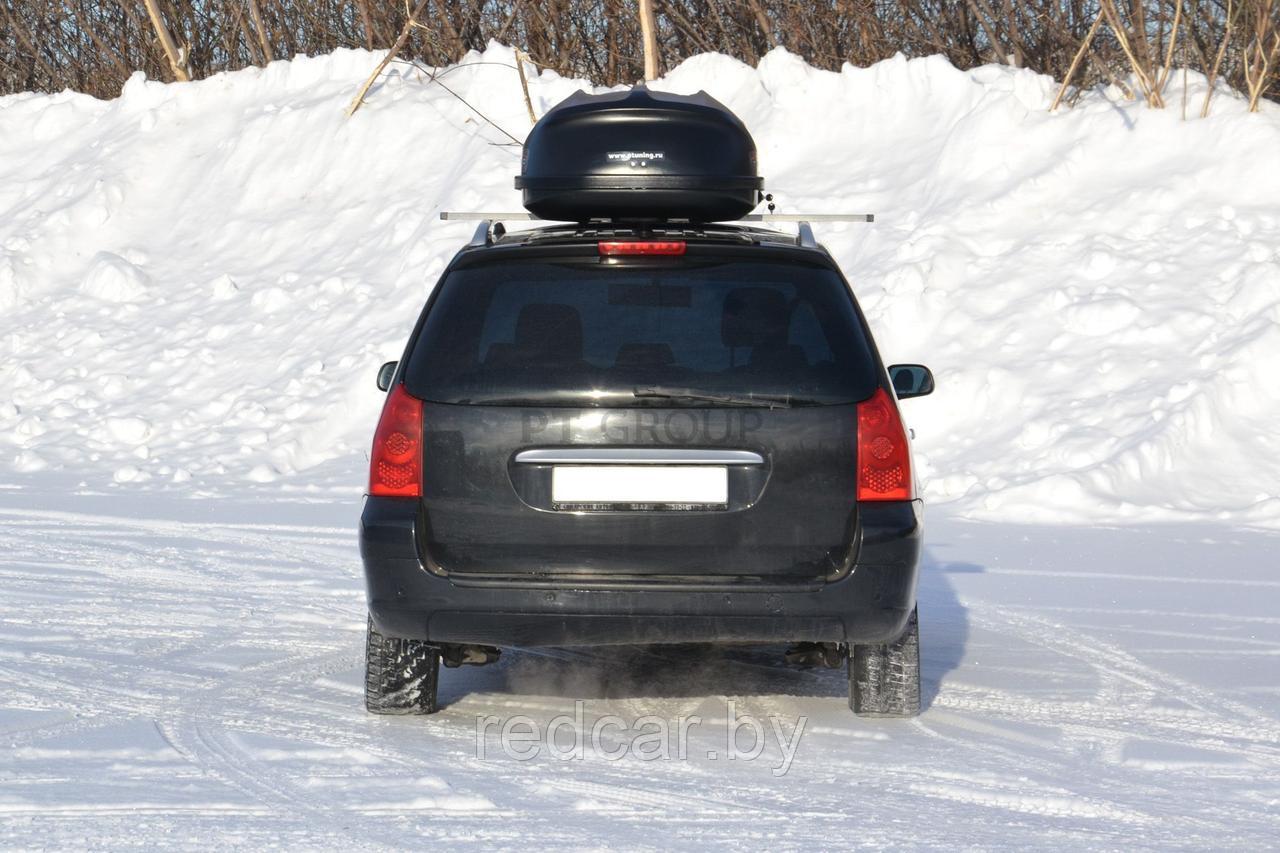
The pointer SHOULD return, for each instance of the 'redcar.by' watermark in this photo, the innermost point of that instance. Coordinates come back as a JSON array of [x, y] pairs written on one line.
[[745, 737]]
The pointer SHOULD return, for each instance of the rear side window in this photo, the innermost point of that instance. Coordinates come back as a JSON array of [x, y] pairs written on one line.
[[575, 334]]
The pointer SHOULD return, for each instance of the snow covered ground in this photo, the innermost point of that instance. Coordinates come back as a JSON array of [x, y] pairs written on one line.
[[198, 281], [189, 673]]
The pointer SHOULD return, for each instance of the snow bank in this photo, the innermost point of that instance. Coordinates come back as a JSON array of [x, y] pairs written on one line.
[[198, 281]]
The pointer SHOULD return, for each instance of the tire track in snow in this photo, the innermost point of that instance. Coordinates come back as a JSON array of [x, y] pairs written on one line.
[[1121, 667], [1110, 718]]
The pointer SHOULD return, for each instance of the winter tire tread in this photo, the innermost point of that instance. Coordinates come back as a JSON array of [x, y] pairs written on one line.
[[884, 678], [401, 675]]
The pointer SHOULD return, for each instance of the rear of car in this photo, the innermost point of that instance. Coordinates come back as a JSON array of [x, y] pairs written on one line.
[[597, 439]]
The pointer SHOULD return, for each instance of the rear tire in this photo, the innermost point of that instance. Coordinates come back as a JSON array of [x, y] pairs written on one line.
[[884, 679], [401, 676]]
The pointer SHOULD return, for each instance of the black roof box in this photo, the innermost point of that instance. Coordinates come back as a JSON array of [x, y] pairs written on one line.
[[639, 156]]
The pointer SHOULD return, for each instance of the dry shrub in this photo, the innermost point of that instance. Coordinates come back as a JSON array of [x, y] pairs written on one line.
[[94, 45]]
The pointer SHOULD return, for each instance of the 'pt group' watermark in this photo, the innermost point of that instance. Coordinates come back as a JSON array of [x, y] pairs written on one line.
[[642, 426], [735, 737]]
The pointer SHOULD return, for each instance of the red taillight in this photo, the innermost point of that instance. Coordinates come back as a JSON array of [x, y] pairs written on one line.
[[395, 466], [884, 457], [644, 247]]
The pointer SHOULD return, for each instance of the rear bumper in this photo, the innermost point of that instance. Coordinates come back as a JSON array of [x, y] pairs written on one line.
[[871, 604]]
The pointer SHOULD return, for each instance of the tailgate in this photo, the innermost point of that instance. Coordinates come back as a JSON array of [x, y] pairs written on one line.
[[681, 493]]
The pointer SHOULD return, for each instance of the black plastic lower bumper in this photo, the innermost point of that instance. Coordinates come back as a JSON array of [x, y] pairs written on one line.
[[871, 604]]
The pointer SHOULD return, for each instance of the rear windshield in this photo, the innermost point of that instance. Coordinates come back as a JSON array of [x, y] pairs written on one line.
[[587, 334]]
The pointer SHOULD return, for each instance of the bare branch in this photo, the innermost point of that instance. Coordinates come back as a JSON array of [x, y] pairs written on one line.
[[1075, 63], [386, 60], [176, 63]]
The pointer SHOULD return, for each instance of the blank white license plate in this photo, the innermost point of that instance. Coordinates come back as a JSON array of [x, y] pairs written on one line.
[[636, 484]]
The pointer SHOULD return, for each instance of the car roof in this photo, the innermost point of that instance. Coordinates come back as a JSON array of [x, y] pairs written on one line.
[[494, 234]]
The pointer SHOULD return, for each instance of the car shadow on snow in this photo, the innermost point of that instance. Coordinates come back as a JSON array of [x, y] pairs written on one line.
[[705, 670], [944, 623]]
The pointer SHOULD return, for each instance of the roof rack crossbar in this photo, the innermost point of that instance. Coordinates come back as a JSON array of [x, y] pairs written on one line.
[[808, 217], [479, 215]]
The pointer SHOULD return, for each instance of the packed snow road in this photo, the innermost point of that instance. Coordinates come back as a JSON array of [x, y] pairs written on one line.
[[188, 673]]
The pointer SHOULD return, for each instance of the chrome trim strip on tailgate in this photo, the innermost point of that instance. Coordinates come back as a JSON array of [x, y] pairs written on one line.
[[636, 456]]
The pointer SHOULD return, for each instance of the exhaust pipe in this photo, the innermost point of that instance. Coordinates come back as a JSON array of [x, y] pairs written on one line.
[[807, 655], [455, 656]]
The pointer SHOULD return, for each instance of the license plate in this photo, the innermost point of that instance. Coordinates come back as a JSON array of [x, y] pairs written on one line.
[[640, 484]]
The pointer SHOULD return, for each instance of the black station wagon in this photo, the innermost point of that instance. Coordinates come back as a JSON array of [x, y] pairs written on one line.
[[647, 425]]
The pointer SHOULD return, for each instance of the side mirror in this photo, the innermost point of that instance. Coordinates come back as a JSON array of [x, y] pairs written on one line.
[[911, 380], [385, 374]]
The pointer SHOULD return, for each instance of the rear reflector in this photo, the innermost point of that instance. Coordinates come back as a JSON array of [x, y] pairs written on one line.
[[884, 457], [395, 465], [649, 247]]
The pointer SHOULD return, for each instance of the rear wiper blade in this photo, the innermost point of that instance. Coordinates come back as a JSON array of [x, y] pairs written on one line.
[[495, 400], [763, 401]]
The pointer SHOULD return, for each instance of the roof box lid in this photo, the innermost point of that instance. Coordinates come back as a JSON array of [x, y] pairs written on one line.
[[639, 156]]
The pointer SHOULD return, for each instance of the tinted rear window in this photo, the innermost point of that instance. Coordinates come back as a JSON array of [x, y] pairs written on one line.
[[583, 334]]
